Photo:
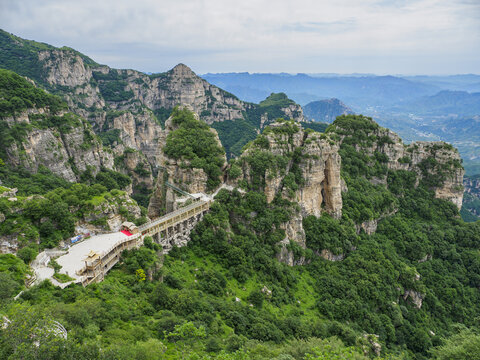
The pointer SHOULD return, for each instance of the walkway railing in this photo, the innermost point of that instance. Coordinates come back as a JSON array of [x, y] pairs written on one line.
[[171, 215]]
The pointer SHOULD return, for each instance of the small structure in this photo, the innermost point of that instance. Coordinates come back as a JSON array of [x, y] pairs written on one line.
[[74, 239], [130, 227]]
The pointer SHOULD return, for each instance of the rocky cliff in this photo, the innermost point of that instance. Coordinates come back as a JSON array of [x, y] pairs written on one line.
[[471, 201], [304, 167], [98, 92], [472, 185], [37, 131], [186, 171], [299, 165]]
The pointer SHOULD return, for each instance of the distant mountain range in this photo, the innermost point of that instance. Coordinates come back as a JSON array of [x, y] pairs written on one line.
[[356, 91]]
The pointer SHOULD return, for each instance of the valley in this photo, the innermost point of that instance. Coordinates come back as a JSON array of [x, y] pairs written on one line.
[[178, 220]]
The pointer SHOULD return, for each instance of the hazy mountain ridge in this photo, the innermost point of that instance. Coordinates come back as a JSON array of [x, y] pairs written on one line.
[[326, 110], [444, 103], [353, 90]]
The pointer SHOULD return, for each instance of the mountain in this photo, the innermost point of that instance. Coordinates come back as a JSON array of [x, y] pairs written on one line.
[[325, 110], [107, 97], [465, 82], [341, 244], [128, 109], [338, 243], [37, 130]]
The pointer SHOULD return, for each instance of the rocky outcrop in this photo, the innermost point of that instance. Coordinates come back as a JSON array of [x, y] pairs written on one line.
[[92, 84], [471, 197], [110, 214], [293, 232], [369, 226], [415, 296], [177, 176], [140, 132], [182, 86], [180, 173], [328, 255], [472, 185], [320, 166], [293, 112], [429, 159], [96, 91], [372, 344], [315, 158], [300, 165], [437, 160], [162, 200], [66, 153]]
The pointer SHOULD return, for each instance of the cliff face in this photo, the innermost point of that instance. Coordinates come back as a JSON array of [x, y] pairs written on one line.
[[178, 172], [471, 200], [472, 185], [65, 151], [138, 132], [293, 112], [427, 160], [130, 106], [299, 165], [133, 106], [314, 159], [182, 86], [320, 166], [129, 90]]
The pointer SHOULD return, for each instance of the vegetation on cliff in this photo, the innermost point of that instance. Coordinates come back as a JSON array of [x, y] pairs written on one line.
[[15, 48], [471, 200], [193, 142], [18, 94]]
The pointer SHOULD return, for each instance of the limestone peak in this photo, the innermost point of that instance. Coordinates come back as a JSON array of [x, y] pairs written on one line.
[[182, 70]]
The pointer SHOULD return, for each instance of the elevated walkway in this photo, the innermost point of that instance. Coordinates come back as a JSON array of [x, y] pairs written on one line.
[[89, 261]]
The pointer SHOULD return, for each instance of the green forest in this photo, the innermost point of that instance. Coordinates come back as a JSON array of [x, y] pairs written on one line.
[[226, 296]]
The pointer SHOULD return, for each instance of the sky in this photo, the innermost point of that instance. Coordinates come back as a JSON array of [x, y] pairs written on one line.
[[301, 36]]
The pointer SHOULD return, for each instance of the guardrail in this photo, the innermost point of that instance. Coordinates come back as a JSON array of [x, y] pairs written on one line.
[[172, 215]]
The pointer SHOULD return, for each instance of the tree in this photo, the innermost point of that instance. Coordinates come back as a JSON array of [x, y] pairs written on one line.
[[140, 274], [187, 334], [462, 346]]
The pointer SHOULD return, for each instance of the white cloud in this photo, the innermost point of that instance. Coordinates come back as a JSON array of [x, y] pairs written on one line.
[[410, 36]]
